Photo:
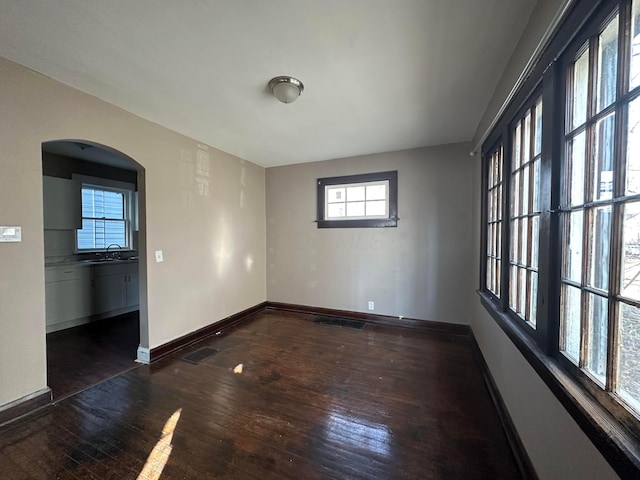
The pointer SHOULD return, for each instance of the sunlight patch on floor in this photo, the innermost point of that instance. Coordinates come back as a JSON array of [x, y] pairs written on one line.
[[159, 456]]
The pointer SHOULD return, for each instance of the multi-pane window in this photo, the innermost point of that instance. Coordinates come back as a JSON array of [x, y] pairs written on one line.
[[525, 214], [494, 221], [357, 201], [105, 218], [587, 203], [626, 371], [571, 256], [365, 200], [600, 308]]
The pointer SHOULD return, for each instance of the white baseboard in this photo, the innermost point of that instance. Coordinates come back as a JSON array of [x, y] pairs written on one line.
[[144, 355]]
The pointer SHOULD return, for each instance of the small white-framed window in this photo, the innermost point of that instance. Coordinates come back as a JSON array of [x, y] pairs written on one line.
[[107, 215], [357, 201], [367, 200]]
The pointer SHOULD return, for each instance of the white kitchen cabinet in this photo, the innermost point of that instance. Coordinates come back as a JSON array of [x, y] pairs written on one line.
[[114, 289], [68, 296], [62, 203], [77, 294], [110, 293]]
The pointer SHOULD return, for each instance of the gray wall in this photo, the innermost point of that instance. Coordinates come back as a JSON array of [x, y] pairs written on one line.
[[417, 270]]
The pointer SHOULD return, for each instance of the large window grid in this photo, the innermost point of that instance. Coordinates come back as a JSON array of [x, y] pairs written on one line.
[[587, 203], [600, 294], [587, 321], [525, 214]]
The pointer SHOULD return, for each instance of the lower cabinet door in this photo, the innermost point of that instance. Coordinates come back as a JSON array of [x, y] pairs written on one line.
[[110, 293], [68, 300]]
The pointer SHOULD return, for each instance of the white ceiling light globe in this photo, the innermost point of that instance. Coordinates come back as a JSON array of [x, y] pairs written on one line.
[[286, 89]]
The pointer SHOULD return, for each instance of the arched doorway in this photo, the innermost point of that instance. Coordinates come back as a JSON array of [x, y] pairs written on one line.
[[95, 273]]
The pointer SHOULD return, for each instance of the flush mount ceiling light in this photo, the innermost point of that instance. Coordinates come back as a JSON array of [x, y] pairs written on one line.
[[285, 88]]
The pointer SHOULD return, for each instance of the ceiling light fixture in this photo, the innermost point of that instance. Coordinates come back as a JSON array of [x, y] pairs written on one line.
[[285, 88]]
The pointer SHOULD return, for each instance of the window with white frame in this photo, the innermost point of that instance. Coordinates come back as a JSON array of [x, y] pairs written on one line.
[[357, 201], [367, 200], [106, 218]]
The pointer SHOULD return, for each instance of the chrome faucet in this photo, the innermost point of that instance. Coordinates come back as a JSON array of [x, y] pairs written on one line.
[[114, 254]]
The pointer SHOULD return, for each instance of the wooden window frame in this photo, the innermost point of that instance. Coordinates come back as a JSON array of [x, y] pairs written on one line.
[[530, 108], [493, 218], [614, 430], [390, 221]]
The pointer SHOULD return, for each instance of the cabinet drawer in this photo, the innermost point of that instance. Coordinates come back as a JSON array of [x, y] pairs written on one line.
[[59, 274], [106, 269]]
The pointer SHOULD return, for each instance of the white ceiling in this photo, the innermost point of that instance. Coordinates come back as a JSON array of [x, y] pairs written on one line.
[[379, 75]]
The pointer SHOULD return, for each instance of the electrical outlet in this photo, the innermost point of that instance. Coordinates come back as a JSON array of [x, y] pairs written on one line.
[[159, 257], [371, 305]]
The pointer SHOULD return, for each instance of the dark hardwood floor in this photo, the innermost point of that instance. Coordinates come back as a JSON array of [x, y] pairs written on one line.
[[312, 402], [83, 356]]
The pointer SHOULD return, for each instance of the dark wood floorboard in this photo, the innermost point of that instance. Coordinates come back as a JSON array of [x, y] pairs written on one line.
[[83, 356], [312, 402]]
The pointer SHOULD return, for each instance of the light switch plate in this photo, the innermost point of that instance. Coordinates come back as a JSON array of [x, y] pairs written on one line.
[[10, 234], [159, 256]]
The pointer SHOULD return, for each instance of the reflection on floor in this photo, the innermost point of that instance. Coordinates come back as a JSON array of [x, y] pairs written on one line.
[[83, 356], [311, 402]]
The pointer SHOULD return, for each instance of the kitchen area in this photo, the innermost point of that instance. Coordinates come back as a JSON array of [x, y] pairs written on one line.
[[91, 264]]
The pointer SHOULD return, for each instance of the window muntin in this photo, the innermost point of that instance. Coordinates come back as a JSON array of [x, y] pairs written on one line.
[[494, 221], [105, 218], [525, 214], [367, 200]]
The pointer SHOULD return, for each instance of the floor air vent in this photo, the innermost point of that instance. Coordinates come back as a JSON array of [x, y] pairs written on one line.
[[339, 322], [199, 355]]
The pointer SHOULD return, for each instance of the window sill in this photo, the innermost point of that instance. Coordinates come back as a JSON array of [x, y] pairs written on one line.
[[363, 223], [616, 444]]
